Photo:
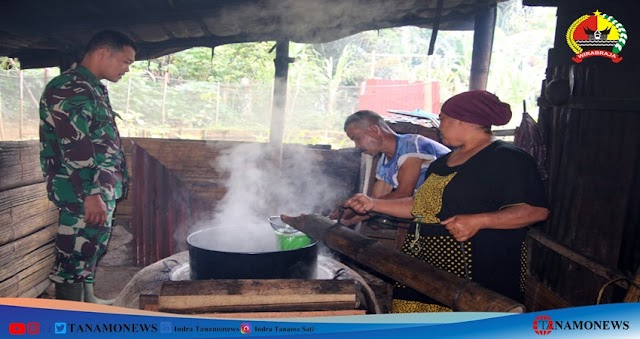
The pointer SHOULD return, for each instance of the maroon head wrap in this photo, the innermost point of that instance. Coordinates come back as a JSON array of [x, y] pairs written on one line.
[[478, 107]]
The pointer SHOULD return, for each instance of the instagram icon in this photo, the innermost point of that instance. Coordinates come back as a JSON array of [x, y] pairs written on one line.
[[245, 328]]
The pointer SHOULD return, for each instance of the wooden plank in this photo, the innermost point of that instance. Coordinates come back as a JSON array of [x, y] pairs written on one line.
[[17, 250], [137, 217], [37, 290], [288, 314], [600, 270], [23, 211], [25, 280], [256, 295], [173, 155], [633, 293], [22, 195], [539, 298], [35, 274], [146, 300], [239, 303], [124, 209], [19, 164], [32, 258]]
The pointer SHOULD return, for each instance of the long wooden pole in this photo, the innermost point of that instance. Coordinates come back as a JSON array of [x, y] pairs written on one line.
[[279, 105], [218, 99], [598, 269], [164, 96], [20, 79], [449, 289], [485, 22]]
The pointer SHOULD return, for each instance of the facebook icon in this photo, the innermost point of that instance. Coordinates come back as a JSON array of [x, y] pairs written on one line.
[[60, 328]]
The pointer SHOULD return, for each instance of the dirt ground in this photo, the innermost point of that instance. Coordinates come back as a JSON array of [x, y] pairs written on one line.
[[111, 280]]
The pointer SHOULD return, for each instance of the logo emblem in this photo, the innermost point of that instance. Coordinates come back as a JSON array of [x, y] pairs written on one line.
[[542, 325], [33, 327], [17, 328], [60, 328], [245, 328], [599, 34]]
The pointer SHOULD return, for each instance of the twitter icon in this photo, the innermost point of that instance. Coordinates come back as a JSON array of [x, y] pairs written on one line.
[[60, 328]]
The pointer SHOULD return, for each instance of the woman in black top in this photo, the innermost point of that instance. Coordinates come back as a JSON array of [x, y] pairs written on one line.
[[471, 212]]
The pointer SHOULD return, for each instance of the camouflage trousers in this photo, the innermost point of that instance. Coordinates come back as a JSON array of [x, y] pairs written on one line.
[[78, 245]]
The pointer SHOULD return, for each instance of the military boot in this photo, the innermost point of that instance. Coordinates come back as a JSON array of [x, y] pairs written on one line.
[[90, 297], [70, 291]]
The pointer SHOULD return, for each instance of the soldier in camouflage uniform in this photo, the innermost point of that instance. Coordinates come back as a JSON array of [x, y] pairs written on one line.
[[83, 161]]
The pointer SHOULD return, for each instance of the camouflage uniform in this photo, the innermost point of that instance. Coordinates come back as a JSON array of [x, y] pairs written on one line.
[[81, 154]]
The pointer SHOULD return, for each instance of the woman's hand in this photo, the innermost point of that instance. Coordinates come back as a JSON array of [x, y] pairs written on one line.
[[360, 203], [347, 216], [463, 227]]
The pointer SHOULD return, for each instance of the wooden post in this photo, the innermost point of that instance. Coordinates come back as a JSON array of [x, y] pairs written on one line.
[[484, 28], [126, 107], [278, 108], [217, 103], [20, 79], [164, 96], [449, 289], [373, 64]]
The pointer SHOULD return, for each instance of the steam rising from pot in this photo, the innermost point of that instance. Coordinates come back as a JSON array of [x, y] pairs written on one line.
[[256, 189]]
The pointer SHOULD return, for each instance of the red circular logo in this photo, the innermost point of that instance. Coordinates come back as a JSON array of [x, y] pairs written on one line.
[[33, 327], [542, 325]]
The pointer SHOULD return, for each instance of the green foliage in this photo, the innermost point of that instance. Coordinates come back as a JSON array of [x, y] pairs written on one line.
[[230, 87], [227, 63], [523, 36], [5, 63]]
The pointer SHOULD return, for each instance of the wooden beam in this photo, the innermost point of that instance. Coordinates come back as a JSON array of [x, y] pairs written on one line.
[[20, 164], [25, 210], [598, 269], [449, 289], [289, 314], [633, 293], [248, 295], [279, 106], [539, 297]]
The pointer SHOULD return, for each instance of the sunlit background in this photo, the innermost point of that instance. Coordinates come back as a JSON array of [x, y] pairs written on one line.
[[226, 93]]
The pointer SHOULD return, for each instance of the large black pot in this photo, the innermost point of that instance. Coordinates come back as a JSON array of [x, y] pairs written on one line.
[[209, 260]]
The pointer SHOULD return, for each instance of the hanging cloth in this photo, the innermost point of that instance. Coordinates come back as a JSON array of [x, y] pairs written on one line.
[[529, 137]]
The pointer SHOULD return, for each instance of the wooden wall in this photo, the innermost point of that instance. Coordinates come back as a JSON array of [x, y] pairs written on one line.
[[28, 222], [590, 115]]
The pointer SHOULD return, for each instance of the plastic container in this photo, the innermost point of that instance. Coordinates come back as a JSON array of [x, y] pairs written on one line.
[[292, 241], [288, 238]]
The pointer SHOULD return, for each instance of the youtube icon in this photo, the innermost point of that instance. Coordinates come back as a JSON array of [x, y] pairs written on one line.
[[17, 328]]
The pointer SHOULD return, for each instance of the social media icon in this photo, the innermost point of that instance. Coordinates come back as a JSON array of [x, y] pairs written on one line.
[[17, 328], [245, 328], [60, 328], [165, 327], [33, 327]]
